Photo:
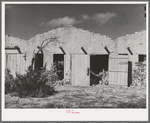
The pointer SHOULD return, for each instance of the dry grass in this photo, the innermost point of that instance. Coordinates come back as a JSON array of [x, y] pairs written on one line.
[[77, 97]]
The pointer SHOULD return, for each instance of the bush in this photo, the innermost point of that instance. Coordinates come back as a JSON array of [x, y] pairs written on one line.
[[94, 79], [139, 74], [104, 77], [9, 80], [101, 78], [60, 70], [36, 83]]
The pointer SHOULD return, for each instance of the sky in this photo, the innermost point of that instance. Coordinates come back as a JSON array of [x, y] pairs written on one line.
[[114, 20]]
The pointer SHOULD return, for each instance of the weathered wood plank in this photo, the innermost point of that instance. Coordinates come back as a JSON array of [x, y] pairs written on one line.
[[23, 64], [73, 70], [15, 65]]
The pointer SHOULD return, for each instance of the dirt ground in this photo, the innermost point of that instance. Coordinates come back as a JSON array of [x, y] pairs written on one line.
[[100, 96]]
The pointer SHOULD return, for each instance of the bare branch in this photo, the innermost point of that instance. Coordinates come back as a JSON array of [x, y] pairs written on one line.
[[47, 40], [43, 41], [51, 39]]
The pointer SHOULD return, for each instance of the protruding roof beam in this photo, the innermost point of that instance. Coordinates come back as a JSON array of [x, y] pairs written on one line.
[[128, 48], [62, 50], [83, 50], [107, 49]]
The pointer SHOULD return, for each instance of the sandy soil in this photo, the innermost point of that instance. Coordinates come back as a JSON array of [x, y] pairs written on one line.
[[99, 96]]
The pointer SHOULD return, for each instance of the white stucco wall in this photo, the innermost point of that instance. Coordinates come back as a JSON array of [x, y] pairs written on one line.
[[71, 39]]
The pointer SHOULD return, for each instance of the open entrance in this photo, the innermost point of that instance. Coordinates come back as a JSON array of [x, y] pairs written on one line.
[[98, 63], [142, 57], [58, 59], [39, 60]]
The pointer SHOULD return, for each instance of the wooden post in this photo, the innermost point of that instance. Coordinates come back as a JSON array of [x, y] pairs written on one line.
[[62, 50], [128, 48], [107, 49], [83, 50]]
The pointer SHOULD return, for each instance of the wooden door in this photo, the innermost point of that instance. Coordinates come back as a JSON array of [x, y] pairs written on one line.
[[80, 70], [118, 69]]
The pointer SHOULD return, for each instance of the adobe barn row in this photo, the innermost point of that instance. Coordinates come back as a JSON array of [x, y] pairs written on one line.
[[79, 51]]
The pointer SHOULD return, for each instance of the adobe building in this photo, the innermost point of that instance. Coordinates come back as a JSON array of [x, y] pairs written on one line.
[[79, 51]]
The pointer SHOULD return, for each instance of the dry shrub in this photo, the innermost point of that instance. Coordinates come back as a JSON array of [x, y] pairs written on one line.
[[9, 80], [139, 74], [104, 76], [101, 78], [36, 83], [94, 79]]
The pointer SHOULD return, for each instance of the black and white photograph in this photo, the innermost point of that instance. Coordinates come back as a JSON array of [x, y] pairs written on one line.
[[75, 59]]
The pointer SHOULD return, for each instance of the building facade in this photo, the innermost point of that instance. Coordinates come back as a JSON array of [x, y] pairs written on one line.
[[80, 51]]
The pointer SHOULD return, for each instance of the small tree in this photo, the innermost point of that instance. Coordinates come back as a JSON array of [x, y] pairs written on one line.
[[38, 83], [40, 48]]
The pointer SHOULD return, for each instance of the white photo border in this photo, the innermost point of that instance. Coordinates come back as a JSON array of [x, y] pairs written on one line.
[[60, 114]]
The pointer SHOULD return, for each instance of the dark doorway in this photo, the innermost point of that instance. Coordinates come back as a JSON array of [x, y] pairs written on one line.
[[142, 58], [58, 59], [98, 63], [39, 60]]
